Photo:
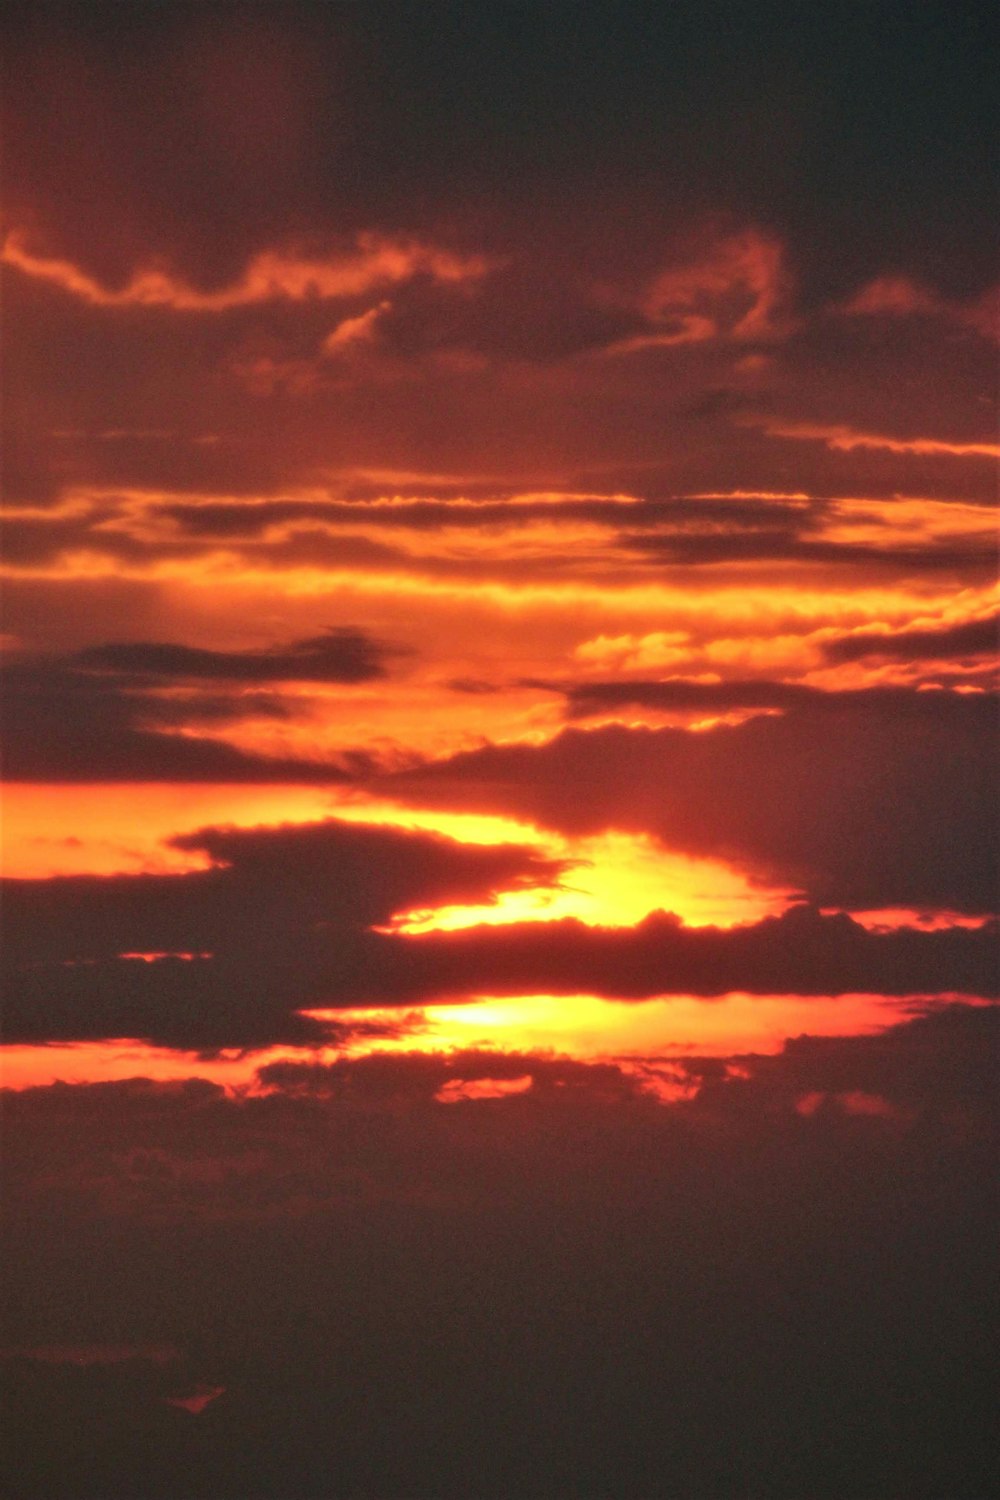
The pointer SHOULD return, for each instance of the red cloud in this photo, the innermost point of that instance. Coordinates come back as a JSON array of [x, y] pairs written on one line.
[[736, 291], [271, 275], [902, 297]]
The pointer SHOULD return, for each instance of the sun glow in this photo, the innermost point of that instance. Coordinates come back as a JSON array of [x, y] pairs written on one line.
[[585, 1027], [612, 879], [125, 829], [615, 880]]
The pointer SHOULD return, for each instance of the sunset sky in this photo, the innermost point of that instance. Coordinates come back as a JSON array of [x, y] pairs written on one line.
[[500, 854]]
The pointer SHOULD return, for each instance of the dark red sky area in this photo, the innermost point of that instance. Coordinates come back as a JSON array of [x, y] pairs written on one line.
[[500, 873]]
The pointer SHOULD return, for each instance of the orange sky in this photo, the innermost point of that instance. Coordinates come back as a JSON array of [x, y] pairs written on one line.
[[486, 615], [643, 543]]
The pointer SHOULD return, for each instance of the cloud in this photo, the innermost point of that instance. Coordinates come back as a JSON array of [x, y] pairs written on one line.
[[338, 655], [789, 540], [845, 439], [270, 276], [501, 536], [569, 1290], [532, 410], [586, 699], [969, 639], [353, 331], [311, 1247], [420, 1077], [147, 526], [306, 876], [800, 952], [944, 1058], [736, 290], [102, 713], [864, 801], [282, 923], [187, 961], [905, 297], [228, 957]]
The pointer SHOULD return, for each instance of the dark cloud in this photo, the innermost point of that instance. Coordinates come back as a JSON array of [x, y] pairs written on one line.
[[282, 922], [32, 541], [282, 926], [868, 800], [776, 544], [326, 873], [278, 923], [585, 699], [800, 952], [102, 713], [98, 751], [780, 1286], [472, 687], [971, 638], [944, 1059], [571, 1289], [290, 532], [338, 655], [44, 615], [418, 1077], [251, 519]]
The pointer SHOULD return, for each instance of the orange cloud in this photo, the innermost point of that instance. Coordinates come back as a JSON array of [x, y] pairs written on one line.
[[845, 439], [272, 275], [909, 521], [359, 330]]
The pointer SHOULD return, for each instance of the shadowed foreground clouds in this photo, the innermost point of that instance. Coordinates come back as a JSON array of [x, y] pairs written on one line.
[[282, 923], [972, 639], [281, 920], [337, 656], [102, 714], [778, 1286], [865, 799]]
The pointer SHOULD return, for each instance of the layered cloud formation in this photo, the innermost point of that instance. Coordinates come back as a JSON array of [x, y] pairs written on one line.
[[500, 709]]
